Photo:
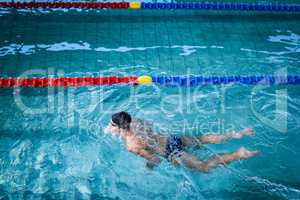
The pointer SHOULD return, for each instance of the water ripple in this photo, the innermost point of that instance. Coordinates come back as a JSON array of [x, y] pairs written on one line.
[[25, 49]]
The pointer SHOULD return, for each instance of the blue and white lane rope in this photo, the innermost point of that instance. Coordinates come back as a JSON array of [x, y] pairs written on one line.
[[225, 6], [217, 80]]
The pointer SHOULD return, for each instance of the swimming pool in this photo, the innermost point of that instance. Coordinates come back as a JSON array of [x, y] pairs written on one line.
[[52, 141]]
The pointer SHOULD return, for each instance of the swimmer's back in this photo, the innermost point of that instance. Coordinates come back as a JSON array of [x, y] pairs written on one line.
[[141, 127]]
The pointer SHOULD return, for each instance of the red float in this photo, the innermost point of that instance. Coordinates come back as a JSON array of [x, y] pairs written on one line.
[[65, 81], [111, 5]]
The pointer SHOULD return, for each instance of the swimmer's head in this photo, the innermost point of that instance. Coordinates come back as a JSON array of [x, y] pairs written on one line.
[[119, 121]]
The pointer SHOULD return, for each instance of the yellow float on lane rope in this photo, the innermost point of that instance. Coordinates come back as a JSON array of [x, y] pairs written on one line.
[[135, 5], [144, 80]]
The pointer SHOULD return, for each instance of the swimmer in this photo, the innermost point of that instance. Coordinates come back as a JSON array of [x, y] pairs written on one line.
[[141, 140]]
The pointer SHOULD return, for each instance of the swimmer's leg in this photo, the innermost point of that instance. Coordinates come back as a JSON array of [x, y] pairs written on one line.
[[219, 138], [215, 138], [193, 162]]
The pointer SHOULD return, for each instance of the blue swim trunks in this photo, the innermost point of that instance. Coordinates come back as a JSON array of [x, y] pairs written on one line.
[[174, 147]]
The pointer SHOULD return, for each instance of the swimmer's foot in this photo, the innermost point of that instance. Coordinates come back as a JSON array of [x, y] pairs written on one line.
[[244, 153], [241, 134]]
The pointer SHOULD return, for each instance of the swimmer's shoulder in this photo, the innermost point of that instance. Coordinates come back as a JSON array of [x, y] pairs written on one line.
[[143, 125], [142, 122]]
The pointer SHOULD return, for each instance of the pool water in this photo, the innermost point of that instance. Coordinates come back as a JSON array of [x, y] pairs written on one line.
[[52, 142]]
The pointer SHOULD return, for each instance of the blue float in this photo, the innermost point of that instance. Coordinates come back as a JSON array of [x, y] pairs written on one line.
[[217, 80]]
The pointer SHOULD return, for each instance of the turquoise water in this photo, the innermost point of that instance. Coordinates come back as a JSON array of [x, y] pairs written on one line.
[[52, 143]]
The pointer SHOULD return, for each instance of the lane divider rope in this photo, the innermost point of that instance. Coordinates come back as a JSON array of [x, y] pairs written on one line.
[[188, 81], [274, 7], [95, 5]]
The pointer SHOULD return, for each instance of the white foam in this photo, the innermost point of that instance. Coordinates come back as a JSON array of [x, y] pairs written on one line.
[[216, 47], [292, 39], [7, 50], [27, 49], [65, 46], [293, 49], [281, 59], [12, 49], [4, 11], [125, 49], [188, 50], [266, 52]]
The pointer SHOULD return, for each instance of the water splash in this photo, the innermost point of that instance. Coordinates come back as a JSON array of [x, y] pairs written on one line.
[[293, 40]]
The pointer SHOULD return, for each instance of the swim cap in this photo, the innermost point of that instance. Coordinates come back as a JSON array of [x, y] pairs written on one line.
[[121, 119]]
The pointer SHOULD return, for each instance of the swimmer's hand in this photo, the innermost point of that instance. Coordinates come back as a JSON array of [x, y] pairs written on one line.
[[151, 158], [150, 164]]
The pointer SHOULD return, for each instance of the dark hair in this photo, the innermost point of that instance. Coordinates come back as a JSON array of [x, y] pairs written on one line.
[[121, 119]]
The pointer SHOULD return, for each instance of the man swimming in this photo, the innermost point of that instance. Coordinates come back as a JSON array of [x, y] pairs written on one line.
[[141, 140]]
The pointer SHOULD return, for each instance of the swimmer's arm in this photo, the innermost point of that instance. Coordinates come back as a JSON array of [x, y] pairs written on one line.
[[152, 159]]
